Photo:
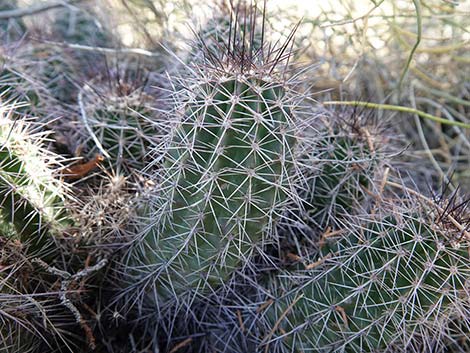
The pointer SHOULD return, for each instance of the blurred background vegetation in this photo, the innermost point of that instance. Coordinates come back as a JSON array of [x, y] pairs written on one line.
[[412, 53]]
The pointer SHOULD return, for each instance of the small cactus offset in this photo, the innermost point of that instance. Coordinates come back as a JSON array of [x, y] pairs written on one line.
[[350, 151], [229, 22], [397, 283], [351, 156], [79, 26], [342, 160], [122, 126]]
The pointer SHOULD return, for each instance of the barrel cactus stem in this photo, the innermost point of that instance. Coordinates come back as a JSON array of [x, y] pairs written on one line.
[[228, 173]]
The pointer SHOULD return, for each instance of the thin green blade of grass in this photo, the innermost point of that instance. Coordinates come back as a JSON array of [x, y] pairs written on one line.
[[399, 108]]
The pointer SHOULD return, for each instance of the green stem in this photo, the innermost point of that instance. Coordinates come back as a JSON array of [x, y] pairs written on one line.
[[400, 109], [415, 46]]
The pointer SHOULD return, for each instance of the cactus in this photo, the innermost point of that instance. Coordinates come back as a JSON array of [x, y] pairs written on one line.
[[39, 75], [32, 211], [122, 123], [213, 215], [78, 26], [352, 150], [17, 84], [344, 157], [56, 70], [31, 198], [227, 175], [230, 22], [398, 282], [38, 225]]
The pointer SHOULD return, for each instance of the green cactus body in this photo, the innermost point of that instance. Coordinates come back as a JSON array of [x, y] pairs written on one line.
[[225, 179], [396, 284], [349, 158], [341, 179], [31, 199], [123, 127], [212, 37]]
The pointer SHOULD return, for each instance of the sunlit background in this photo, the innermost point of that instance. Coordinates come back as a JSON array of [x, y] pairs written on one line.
[[407, 52]]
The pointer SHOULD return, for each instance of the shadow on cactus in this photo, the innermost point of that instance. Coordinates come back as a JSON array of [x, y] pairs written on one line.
[[31, 198]]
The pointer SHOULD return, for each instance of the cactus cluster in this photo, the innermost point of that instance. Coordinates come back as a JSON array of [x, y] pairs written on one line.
[[223, 211], [397, 281], [122, 125]]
